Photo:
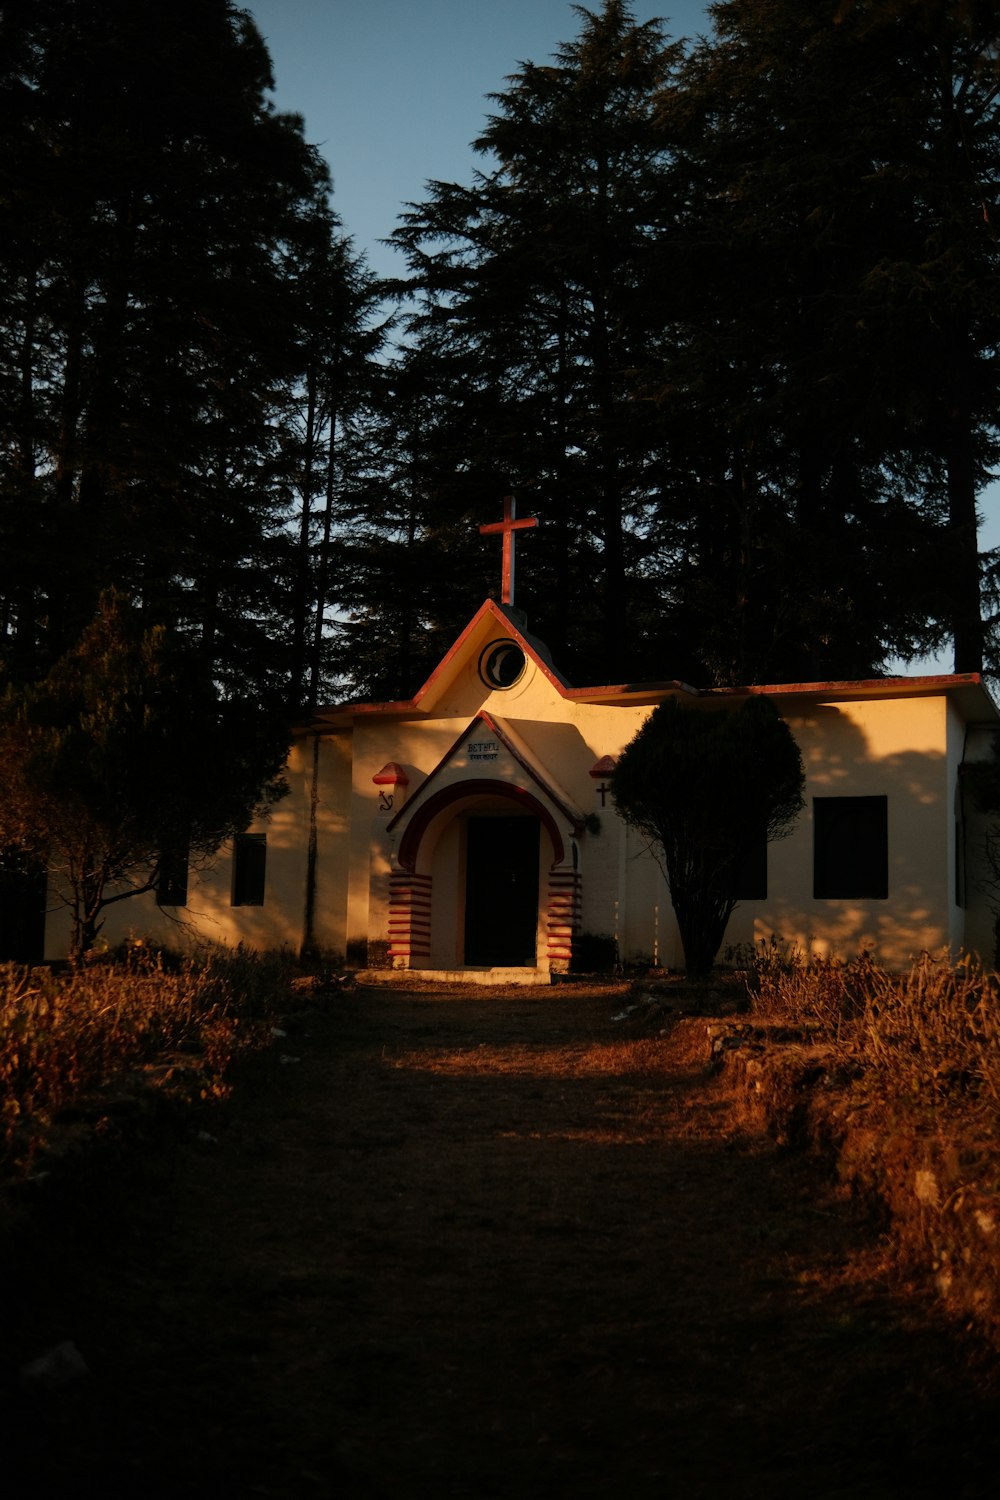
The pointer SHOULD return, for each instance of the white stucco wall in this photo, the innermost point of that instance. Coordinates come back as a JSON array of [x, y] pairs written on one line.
[[210, 916], [896, 748], [906, 748]]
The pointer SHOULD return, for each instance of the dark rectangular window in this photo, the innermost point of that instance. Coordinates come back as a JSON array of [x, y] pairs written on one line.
[[249, 863], [751, 877], [172, 886], [23, 889], [851, 848]]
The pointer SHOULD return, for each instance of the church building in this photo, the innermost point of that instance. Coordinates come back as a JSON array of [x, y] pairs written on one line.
[[469, 833]]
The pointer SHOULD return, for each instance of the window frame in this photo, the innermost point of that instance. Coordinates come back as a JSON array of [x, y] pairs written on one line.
[[851, 852], [249, 869], [174, 877]]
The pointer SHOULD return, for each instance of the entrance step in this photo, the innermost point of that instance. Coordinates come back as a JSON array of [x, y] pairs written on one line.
[[484, 976]]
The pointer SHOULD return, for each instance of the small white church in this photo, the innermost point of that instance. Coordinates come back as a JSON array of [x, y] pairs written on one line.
[[469, 834]]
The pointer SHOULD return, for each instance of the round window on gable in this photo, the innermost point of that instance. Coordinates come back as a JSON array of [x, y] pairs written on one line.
[[502, 664]]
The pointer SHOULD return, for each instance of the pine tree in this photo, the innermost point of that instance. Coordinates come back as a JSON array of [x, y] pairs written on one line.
[[97, 777], [842, 333], [325, 442], [536, 290], [156, 208], [183, 335]]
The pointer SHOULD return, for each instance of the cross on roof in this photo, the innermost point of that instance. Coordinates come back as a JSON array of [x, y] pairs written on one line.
[[508, 526]]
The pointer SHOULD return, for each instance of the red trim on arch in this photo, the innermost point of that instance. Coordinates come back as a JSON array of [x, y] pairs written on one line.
[[494, 727], [462, 791]]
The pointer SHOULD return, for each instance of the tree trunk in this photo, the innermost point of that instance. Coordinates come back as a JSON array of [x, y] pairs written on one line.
[[702, 918], [303, 565], [963, 578]]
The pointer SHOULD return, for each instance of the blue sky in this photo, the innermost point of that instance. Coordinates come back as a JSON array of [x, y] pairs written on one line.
[[394, 91]]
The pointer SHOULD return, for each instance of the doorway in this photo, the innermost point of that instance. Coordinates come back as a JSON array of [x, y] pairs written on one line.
[[501, 892]]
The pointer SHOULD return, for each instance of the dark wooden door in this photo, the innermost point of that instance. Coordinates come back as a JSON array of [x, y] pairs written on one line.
[[501, 892]]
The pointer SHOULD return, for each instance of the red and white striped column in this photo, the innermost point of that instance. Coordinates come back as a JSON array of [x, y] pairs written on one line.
[[562, 917], [409, 920]]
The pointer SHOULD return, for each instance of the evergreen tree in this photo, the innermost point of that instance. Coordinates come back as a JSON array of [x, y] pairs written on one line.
[[325, 448], [156, 209], [726, 321], [535, 288], [705, 788], [404, 577], [843, 330], [184, 335], [98, 779]]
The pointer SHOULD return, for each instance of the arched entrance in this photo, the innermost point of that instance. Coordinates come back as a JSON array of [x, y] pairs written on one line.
[[480, 882]]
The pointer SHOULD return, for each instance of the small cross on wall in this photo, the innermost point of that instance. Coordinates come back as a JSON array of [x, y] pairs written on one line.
[[507, 527], [602, 771]]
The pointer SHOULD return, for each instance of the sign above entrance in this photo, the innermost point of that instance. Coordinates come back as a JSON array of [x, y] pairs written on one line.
[[487, 760]]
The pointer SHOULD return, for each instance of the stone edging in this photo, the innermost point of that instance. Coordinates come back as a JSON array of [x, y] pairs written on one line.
[[936, 1189]]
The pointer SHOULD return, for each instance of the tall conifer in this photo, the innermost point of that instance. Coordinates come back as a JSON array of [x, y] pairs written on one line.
[[536, 284], [156, 208], [842, 161]]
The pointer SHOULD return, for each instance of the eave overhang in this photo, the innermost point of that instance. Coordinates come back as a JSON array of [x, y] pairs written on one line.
[[966, 690]]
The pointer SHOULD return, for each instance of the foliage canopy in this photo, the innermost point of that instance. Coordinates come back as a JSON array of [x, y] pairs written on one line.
[[121, 761], [705, 787]]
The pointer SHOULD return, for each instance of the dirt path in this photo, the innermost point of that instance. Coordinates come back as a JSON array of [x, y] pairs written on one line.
[[482, 1248]]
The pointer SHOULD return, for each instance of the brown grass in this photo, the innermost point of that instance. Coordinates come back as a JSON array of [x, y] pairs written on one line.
[[896, 1077], [619, 1059], [87, 1034], [929, 1037]]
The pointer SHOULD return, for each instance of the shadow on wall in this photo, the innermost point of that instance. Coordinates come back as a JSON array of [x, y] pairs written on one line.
[[872, 763]]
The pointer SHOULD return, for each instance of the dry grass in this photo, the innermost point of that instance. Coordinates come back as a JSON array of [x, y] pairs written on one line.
[[930, 1036], [903, 1087], [618, 1059], [91, 1033]]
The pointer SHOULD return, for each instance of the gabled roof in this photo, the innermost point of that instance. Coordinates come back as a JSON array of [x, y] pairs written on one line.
[[481, 627], [531, 768], [966, 689]]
